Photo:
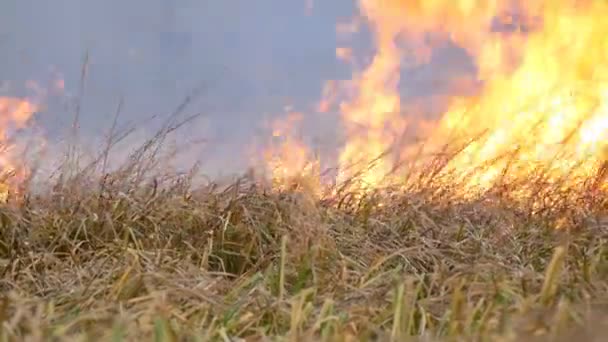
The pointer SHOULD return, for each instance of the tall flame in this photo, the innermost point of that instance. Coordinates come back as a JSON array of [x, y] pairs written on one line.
[[544, 101]]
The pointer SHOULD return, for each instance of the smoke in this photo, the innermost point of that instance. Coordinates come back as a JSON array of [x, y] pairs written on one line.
[[253, 58]]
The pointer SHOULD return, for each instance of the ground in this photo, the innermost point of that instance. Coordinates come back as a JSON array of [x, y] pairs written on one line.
[[116, 262]]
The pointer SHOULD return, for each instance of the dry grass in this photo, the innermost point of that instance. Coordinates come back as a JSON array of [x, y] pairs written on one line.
[[135, 256], [122, 260]]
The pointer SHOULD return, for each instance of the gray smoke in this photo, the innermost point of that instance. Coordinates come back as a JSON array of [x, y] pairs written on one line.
[[251, 57]]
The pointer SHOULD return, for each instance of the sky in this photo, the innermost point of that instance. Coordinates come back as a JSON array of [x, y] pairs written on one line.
[[252, 58]]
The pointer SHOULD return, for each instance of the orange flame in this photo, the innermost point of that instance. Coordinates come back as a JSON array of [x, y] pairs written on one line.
[[15, 113], [289, 159], [544, 101], [543, 105]]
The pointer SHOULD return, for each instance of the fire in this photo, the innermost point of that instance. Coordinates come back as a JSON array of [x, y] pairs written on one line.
[[541, 109], [544, 101], [15, 113], [288, 158], [372, 117]]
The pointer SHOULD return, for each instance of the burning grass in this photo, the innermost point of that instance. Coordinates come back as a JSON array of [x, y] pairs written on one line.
[[134, 254], [501, 238], [131, 257]]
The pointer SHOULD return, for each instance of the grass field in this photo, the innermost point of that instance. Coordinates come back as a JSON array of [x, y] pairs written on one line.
[[138, 255], [131, 253], [128, 259]]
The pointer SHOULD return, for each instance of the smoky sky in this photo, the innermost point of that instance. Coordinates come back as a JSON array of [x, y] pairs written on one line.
[[252, 58]]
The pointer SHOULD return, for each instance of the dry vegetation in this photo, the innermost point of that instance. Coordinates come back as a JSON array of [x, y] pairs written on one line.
[[134, 254], [127, 258], [137, 256]]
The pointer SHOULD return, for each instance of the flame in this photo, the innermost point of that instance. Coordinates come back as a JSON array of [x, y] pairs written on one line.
[[289, 159], [544, 101], [15, 113]]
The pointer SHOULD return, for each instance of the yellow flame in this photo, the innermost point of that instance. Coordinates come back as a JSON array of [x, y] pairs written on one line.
[[544, 101], [289, 159], [14, 113]]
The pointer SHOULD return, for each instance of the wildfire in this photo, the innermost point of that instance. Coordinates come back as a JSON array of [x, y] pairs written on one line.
[[544, 110], [541, 109], [543, 106], [15, 113], [289, 160]]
